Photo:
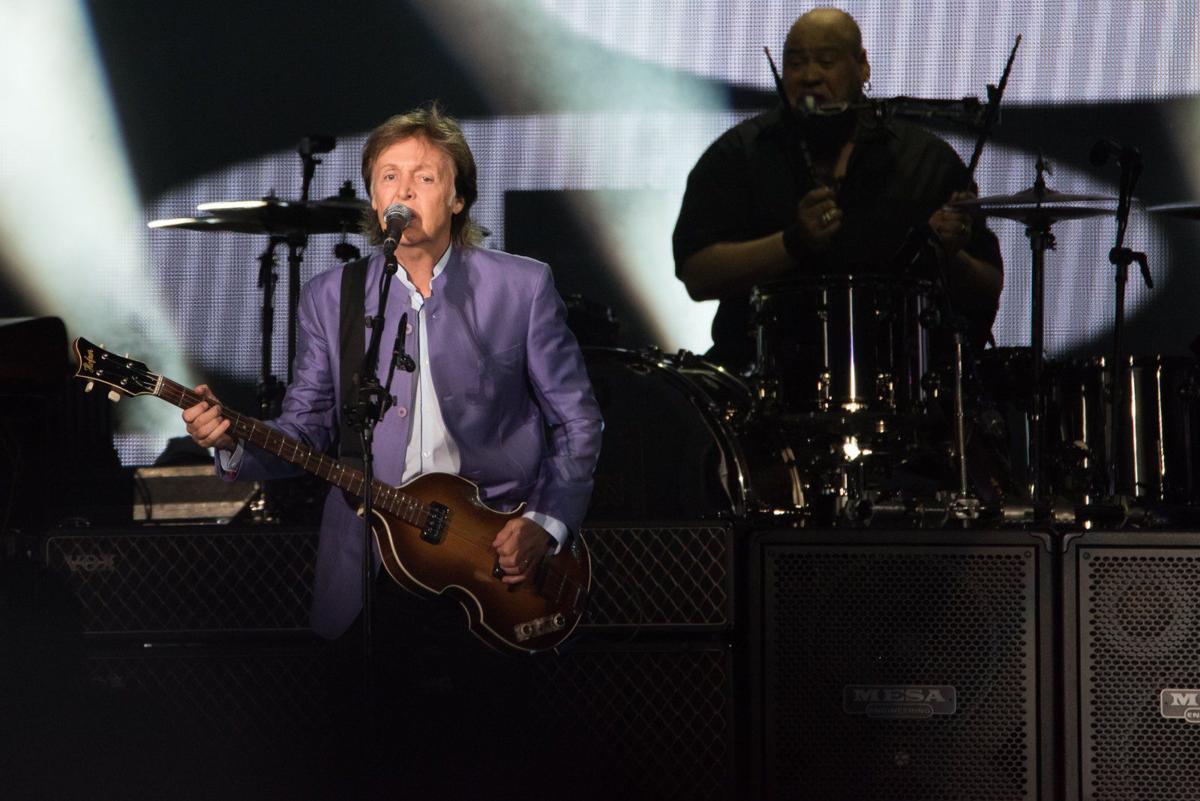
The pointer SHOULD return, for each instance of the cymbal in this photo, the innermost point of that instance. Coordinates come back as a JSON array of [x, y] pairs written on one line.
[[273, 216], [1189, 210], [1045, 214], [1033, 206], [1030, 196], [208, 224]]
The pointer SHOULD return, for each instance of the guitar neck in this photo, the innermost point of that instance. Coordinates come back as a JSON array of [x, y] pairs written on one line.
[[350, 479]]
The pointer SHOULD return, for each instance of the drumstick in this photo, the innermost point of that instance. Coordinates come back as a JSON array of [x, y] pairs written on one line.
[[793, 122]]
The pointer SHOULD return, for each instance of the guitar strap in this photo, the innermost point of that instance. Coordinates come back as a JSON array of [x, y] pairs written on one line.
[[352, 344]]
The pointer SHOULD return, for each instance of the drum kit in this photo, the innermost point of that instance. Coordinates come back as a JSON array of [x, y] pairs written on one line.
[[850, 415]]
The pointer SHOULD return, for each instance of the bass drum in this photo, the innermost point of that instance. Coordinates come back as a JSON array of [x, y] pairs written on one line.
[[680, 442]]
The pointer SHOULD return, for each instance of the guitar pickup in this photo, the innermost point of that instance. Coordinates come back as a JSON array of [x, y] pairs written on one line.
[[542, 625], [434, 528]]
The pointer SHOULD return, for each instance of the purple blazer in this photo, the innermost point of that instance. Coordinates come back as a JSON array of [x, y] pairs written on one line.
[[512, 386]]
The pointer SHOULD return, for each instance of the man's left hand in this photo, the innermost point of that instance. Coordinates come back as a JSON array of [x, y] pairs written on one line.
[[520, 546], [953, 225]]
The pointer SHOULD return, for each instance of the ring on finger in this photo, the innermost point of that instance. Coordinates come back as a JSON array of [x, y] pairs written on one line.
[[827, 217]]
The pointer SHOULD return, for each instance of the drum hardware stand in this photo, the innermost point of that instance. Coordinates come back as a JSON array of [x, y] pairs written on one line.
[[963, 505], [1040, 240], [270, 390], [1130, 161], [343, 251]]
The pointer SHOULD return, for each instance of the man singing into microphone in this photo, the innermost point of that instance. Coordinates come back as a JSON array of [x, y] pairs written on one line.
[[754, 212], [499, 396]]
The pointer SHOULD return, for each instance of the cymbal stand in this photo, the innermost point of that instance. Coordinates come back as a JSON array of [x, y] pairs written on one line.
[[297, 242], [1040, 240], [270, 391], [343, 251], [964, 506]]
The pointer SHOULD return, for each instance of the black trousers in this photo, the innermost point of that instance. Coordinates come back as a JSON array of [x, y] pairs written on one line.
[[435, 713]]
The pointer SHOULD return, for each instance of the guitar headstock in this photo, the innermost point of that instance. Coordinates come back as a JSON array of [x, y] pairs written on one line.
[[126, 376]]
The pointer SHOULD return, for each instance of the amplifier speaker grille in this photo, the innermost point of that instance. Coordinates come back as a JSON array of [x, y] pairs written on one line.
[[644, 720], [180, 582], [1140, 627], [660, 576], [876, 616]]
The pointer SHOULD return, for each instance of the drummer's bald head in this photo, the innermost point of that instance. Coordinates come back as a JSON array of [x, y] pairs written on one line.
[[834, 22], [823, 59]]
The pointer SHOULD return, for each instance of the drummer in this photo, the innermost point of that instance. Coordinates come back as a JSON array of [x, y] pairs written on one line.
[[755, 211]]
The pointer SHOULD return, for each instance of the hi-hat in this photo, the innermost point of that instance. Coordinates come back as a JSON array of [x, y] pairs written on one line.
[[273, 216], [1189, 210]]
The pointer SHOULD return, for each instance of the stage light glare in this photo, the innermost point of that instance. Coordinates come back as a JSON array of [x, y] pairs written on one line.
[[70, 218]]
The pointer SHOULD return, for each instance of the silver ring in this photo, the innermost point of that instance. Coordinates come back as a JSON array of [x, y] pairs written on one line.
[[827, 217]]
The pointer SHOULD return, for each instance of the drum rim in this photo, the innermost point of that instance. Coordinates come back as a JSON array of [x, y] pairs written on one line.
[[721, 428], [841, 280]]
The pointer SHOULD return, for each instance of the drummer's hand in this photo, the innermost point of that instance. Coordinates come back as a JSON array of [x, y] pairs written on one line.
[[953, 225], [206, 425], [819, 218]]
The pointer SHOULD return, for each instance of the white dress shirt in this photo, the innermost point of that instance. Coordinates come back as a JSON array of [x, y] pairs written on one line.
[[430, 446]]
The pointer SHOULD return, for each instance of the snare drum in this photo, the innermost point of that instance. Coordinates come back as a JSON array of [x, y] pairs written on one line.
[[842, 344]]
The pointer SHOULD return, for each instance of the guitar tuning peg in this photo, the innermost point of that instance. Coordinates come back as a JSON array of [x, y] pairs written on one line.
[[89, 386], [113, 395]]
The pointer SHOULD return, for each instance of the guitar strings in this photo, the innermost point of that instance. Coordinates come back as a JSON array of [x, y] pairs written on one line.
[[394, 494]]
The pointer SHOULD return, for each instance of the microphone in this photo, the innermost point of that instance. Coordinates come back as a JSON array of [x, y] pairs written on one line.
[[396, 218], [1107, 147]]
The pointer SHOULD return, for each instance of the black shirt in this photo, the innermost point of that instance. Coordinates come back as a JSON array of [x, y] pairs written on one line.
[[745, 187]]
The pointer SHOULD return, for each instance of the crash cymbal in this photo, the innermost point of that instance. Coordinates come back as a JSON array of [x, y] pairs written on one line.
[[1039, 206], [273, 216], [1189, 210], [284, 216], [1031, 214], [1030, 196], [208, 224]]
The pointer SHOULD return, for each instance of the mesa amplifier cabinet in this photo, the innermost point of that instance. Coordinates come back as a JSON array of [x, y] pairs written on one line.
[[909, 665], [185, 582], [1132, 666]]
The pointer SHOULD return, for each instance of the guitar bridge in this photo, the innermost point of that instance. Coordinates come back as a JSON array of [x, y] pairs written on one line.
[[542, 625], [434, 529]]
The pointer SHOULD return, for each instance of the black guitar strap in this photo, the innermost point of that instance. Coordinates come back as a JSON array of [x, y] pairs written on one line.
[[351, 347]]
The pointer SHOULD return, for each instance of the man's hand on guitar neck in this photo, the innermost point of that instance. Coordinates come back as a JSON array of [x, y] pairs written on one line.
[[520, 546], [205, 423]]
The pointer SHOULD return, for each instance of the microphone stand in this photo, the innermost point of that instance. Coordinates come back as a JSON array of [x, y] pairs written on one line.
[[371, 402], [1121, 257]]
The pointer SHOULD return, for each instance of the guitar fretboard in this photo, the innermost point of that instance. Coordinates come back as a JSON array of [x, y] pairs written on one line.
[[350, 479]]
